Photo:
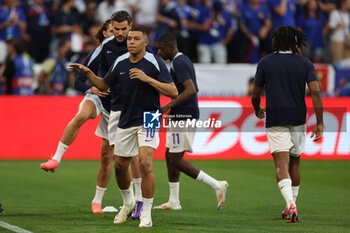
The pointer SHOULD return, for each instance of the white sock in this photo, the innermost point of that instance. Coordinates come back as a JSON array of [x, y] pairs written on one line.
[[138, 191], [128, 195], [99, 194], [208, 180], [61, 148], [285, 186], [174, 192], [147, 206], [295, 190]]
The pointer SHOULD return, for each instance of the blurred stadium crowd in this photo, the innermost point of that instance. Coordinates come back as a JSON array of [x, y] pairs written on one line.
[[54, 32]]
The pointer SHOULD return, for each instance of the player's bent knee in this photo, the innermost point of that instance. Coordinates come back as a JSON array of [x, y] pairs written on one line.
[[107, 155], [81, 118], [146, 166], [106, 158]]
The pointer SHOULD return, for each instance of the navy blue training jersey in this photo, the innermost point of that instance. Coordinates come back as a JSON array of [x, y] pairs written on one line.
[[181, 69], [137, 96], [110, 52], [92, 61], [285, 76]]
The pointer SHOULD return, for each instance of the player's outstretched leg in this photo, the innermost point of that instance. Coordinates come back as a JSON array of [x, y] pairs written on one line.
[[103, 175], [87, 110], [177, 161]]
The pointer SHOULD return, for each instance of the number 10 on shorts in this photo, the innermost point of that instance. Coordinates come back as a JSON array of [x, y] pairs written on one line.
[[150, 133]]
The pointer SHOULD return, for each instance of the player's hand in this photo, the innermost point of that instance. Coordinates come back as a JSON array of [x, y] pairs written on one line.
[[317, 132], [79, 67], [139, 74], [260, 113], [96, 91], [165, 109]]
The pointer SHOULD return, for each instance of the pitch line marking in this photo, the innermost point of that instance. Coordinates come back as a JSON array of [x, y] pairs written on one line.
[[13, 228]]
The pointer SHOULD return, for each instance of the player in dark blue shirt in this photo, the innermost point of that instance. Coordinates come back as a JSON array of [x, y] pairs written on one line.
[[179, 140], [94, 104], [284, 74], [114, 48], [141, 77]]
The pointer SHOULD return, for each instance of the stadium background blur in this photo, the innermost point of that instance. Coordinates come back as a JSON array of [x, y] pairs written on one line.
[[208, 31]]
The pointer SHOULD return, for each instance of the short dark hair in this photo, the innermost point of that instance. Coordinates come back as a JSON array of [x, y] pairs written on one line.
[[139, 29], [288, 38], [18, 45], [167, 38], [99, 35], [121, 16]]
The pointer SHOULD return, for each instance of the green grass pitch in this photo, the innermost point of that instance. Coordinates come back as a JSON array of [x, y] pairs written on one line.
[[60, 202]]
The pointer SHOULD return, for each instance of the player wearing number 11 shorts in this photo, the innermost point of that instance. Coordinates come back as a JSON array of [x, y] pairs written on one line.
[[179, 140]]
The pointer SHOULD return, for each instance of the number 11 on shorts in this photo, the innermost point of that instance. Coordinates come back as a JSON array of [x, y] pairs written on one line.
[[176, 136]]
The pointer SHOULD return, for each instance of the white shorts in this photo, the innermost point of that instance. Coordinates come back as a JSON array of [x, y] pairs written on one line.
[[101, 130], [112, 126], [179, 139], [129, 140], [287, 139]]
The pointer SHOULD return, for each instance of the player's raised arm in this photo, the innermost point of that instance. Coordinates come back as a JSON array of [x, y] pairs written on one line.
[[169, 89], [95, 80]]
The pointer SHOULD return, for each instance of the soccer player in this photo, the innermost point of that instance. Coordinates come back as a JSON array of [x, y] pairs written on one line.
[[141, 77], [110, 52], [180, 139], [284, 74], [94, 103]]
